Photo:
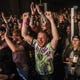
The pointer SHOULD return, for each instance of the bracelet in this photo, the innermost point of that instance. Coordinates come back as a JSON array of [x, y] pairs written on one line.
[[25, 22]]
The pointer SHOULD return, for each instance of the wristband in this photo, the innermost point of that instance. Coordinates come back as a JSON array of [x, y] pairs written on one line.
[[25, 22]]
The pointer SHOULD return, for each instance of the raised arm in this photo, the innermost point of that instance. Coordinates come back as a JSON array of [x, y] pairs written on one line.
[[42, 16], [54, 40], [33, 10], [5, 20], [11, 45], [24, 30], [31, 22]]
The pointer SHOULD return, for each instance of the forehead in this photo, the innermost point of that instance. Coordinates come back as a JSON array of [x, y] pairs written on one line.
[[75, 39], [42, 34], [60, 16], [14, 34], [68, 27]]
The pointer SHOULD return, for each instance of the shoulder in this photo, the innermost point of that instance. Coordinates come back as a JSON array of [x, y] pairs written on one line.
[[68, 49], [34, 42], [49, 46]]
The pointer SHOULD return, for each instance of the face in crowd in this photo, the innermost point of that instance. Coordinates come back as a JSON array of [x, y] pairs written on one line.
[[16, 36], [60, 18], [42, 39], [75, 42]]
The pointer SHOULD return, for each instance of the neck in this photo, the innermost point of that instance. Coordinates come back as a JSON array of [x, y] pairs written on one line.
[[75, 48]]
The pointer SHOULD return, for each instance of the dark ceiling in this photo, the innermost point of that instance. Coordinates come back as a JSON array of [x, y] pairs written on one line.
[[59, 4], [7, 5]]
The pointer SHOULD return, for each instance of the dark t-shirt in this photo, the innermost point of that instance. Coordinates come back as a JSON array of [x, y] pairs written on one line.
[[7, 66]]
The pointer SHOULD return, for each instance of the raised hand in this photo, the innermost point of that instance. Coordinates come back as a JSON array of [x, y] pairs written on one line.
[[33, 8], [5, 20], [25, 16], [38, 9], [2, 14], [48, 15]]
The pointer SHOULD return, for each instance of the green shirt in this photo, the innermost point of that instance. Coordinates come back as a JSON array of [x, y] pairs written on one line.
[[44, 58]]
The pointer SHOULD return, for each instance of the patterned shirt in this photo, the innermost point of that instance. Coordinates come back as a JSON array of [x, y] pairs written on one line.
[[43, 58]]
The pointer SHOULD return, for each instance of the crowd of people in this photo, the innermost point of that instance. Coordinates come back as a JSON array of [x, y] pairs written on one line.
[[38, 46]]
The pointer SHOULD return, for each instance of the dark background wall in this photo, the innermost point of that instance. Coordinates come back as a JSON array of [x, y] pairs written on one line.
[[20, 6], [14, 6]]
